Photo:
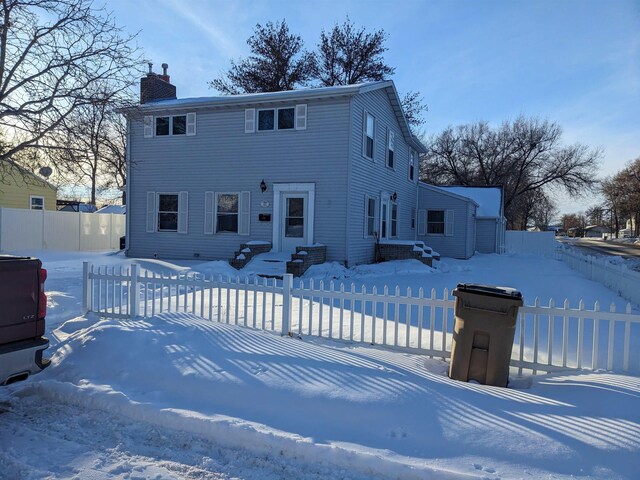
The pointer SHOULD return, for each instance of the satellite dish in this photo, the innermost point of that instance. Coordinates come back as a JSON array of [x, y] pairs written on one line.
[[45, 171]]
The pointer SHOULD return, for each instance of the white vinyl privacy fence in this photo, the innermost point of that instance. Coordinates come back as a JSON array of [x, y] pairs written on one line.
[[535, 243], [616, 276], [22, 229], [548, 337]]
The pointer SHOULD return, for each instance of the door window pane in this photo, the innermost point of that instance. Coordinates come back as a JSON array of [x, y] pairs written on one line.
[[294, 222]]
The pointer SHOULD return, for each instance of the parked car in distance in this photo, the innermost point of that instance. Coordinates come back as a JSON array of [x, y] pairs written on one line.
[[23, 308]]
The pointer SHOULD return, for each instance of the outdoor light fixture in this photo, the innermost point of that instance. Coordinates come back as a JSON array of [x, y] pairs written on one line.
[[263, 186], [394, 197]]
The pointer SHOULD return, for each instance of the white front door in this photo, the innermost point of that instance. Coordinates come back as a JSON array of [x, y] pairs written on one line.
[[293, 223]]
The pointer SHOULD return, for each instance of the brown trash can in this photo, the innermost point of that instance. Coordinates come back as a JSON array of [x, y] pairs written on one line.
[[483, 334]]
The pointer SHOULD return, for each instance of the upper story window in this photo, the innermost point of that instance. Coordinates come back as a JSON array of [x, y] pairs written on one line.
[[369, 135], [270, 119], [391, 147], [36, 203], [412, 165], [170, 125]]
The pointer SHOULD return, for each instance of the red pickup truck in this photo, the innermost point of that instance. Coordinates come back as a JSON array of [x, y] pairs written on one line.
[[23, 307]]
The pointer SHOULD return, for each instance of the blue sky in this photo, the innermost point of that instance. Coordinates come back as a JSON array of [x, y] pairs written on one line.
[[573, 62]]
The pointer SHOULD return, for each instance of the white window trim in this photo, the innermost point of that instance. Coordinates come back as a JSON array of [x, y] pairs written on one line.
[[186, 133], [31, 197], [157, 212], [215, 212], [365, 136], [448, 222], [299, 120], [278, 190], [366, 216]]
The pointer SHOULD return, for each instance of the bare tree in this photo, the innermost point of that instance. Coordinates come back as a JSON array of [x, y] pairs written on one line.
[[278, 62], [91, 147], [52, 56], [524, 156]]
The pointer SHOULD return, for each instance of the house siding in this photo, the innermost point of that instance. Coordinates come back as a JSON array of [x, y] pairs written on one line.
[[221, 157], [486, 235], [458, 245], [372, 177]]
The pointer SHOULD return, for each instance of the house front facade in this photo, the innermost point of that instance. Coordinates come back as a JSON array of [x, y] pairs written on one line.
[[336, 166]]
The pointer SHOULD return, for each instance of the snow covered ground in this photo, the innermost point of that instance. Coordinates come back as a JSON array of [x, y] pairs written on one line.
[[178, 397]]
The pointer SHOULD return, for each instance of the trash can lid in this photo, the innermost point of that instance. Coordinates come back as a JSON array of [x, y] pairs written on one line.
[[490, 290]]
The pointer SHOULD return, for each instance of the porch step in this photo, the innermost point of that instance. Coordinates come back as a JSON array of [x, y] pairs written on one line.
[[247, 252], [305, 257], [406, 250]]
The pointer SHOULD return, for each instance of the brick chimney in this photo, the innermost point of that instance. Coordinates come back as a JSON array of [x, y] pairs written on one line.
[[156, 87]]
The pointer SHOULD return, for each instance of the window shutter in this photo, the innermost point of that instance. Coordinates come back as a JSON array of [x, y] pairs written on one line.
[[208, 213], [148, 126], [183, 212], [301, 117], [448, 226], [422, 222], [151, 212], [245, 213], [250, 120], [191, 124]]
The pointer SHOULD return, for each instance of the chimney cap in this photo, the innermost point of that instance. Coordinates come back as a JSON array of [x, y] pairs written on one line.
[[165, 66], [150, 67]]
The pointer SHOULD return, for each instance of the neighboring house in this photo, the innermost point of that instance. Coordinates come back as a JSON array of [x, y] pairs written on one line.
[[459, 221], [20, 188], [75, 206], [115, 209], [596, 231]]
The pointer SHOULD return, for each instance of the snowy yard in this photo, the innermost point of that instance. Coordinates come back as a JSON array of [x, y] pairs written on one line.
[[175, 396]]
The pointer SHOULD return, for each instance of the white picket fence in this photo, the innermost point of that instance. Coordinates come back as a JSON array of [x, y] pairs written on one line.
[[618, 277], [548, 337], [22, 229]]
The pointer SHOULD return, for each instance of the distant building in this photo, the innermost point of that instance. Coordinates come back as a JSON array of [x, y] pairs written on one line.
[[116, 209], [75, 206], [20, 188], [596, 231]]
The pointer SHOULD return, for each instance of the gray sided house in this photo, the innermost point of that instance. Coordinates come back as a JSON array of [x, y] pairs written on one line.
[[334, 166], [459, 221]]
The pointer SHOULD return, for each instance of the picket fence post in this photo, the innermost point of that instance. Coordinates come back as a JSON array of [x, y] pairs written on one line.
[[287, 307], [86, 287], [134, 292]]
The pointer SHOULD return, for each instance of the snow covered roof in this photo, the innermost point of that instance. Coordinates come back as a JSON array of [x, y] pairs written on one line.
[[489, 199], [300, 94], [118, 209]]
